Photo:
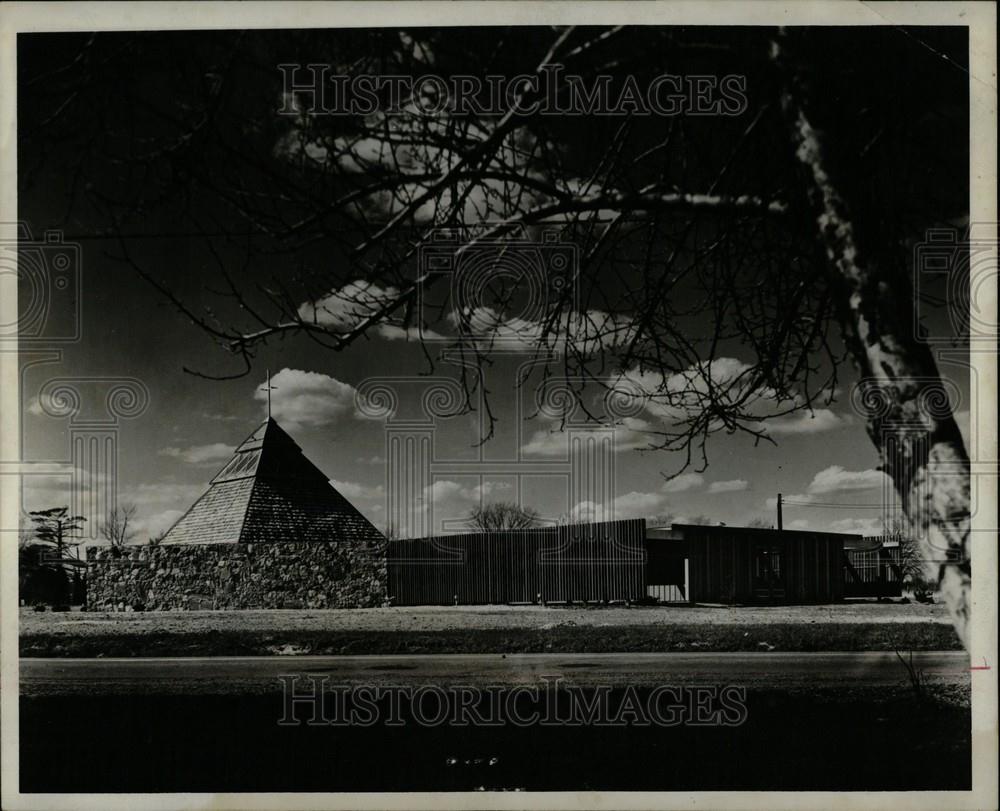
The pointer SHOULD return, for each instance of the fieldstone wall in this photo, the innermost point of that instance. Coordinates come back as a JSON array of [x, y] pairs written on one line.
[[227, 576]]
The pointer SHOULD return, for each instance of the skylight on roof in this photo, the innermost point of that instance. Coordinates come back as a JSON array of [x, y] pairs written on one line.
[[242, 464]]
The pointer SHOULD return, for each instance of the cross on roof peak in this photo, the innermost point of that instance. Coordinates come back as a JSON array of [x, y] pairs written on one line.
[[269, 388]]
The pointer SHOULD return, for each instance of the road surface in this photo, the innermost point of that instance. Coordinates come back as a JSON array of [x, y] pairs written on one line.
[[259, 674]]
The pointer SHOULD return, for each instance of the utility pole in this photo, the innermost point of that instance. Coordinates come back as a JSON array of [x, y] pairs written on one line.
[[779, 510]]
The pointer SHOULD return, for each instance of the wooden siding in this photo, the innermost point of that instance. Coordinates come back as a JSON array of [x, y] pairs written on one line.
[[723, 564], [582, 562]]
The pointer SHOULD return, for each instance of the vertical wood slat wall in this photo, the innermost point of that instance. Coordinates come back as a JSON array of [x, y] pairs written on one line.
[[722, 565], [580, 562]]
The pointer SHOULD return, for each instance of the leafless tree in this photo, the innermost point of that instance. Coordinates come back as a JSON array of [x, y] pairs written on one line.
[[503, 515], [702, 520], [787, 230], [117, 528], [660, 520]]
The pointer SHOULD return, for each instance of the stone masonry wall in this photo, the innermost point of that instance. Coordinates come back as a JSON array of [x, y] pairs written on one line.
[[219, 576]]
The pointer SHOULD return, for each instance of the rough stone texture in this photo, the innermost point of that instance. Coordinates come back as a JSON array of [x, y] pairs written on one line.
[[227, 576]]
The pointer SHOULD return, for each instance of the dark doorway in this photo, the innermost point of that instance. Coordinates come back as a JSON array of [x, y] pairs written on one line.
[[769, 571]]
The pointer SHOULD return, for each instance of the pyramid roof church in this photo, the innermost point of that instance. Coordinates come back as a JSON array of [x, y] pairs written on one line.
[[269, 491]]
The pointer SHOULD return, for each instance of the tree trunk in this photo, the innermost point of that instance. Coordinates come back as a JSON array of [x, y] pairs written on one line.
[[900, 394]]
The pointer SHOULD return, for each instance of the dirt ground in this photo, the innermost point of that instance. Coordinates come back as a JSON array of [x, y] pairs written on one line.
[[468, 618]]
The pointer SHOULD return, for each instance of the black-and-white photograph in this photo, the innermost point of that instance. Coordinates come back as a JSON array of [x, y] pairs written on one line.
[[494, 405]]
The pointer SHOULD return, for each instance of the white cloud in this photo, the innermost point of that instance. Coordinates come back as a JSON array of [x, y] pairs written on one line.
[[397, 332], [419, 146], [631, 505], [629, 433], [588, 511], [681, 395], [805, 422], [683, 482], [547, 443], [858, 526], [42, 492], [309, 399], [354, 490], [586, 333], [46, 405], [726, 383], [454, 501], [200, 454], [345, 308], [834, 483], [640, 505], [446, 490], [835, 479], [729, 486], [35, 407]]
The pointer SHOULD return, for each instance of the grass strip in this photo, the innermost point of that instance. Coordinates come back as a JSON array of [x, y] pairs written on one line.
[[561, 639]]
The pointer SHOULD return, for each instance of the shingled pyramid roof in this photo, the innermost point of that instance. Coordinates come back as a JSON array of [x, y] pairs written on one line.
[[269, 491]]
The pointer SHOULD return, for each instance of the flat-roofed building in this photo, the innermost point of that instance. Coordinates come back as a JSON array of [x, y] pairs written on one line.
[[700, 563]]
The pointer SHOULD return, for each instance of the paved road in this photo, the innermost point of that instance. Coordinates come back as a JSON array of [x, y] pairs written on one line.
[[257, 674]]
